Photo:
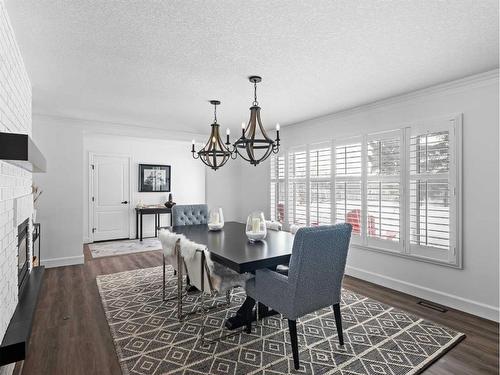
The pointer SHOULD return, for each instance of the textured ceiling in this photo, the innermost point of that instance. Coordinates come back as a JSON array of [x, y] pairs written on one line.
[[157, 63]]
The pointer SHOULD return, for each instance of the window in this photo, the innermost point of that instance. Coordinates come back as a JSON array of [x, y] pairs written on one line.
[[297, 192], [348, 185], [278, 188], [383, 189], [320, 185], [432, 192], [399, 189]]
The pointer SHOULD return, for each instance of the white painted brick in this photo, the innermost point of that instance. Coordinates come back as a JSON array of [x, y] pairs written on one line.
[[15, 116]]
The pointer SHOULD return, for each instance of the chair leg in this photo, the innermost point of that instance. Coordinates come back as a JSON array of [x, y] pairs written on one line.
[[338, 322], [164, 277], [292, 326], [179, 288], [202, 301]]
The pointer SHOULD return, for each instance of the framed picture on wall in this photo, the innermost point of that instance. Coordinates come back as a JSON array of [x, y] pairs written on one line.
[[154, 178]]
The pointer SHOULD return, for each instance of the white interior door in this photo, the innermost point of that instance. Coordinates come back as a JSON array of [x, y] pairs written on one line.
[[110, 197]]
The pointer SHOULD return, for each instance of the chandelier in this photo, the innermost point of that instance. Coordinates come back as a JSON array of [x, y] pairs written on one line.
[[214, 154], [252, 146]]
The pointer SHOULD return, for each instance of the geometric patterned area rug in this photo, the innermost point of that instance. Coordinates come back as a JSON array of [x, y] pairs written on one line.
[[110, 248], [378, 339]]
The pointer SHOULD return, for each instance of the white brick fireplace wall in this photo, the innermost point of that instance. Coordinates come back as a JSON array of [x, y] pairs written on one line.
[[15, 183]]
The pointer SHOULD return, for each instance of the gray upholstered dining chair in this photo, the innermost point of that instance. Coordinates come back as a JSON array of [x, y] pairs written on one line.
[[314, 279], [189, 214]]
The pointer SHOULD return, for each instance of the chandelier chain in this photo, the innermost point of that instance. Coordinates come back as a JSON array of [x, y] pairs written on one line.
[[215, 113]]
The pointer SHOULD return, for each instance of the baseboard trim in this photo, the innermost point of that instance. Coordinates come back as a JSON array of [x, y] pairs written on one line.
[[64, 261], [442, 298]]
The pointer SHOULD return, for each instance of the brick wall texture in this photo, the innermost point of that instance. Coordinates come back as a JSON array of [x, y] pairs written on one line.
[[15, 117]]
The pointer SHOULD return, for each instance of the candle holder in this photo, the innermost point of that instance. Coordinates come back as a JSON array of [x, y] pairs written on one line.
[[215, 219], [256, 226]]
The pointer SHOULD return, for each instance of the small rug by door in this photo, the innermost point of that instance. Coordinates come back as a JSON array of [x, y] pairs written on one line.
[[110, 248], [379, 339]]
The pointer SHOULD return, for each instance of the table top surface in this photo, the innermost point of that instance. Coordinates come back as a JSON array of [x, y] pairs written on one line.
[[230, 246], [153, 209]]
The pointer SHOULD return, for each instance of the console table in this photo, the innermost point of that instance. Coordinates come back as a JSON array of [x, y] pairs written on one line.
[[156, 210]]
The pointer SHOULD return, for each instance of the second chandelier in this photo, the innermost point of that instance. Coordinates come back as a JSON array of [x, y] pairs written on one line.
[[254, 145]]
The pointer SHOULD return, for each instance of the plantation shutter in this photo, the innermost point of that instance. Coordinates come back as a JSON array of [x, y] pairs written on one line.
[[383, 191], [429, 190], [320, 185], [277, 188], [348, 184], [297, 187], [432, 200]]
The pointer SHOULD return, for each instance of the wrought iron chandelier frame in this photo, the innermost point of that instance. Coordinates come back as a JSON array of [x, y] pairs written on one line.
[[215, 153]]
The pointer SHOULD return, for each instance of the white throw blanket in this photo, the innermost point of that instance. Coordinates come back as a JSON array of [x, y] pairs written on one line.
[[168, 241], [222, 277]]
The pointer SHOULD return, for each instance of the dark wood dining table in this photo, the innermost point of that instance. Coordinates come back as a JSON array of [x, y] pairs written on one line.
[[231, 247]]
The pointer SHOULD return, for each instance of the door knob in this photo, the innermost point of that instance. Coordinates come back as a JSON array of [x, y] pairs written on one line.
[[124, 202]]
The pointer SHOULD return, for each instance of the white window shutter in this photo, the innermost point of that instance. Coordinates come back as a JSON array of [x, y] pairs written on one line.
[[320, 184], [384, 198], [297, 187]]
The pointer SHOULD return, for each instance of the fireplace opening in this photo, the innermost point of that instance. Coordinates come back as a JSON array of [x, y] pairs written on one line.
[[22, 254]]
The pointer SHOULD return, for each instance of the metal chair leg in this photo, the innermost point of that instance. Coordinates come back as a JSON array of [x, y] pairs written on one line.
[[164, 277], [179, 286], [202, 298]]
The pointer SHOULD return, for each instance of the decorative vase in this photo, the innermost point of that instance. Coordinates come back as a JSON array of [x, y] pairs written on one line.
[[256, 226], [169, 203], [215, 219]]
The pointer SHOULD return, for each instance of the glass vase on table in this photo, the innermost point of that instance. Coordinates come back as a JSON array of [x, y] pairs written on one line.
[[256, 226], [215, 219]]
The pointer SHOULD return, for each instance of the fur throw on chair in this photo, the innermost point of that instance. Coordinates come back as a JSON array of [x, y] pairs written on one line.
[[168, 240], [223, 278]]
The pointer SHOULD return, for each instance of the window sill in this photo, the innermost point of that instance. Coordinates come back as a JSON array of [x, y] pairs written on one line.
[[418, 258]]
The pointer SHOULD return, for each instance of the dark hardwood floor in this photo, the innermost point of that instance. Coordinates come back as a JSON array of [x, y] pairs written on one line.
[[71, 336]]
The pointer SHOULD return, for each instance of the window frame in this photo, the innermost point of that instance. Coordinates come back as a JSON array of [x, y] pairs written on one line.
[[453, 256]]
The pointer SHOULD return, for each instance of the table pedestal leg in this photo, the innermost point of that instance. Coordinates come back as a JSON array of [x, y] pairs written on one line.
[[245, 313]]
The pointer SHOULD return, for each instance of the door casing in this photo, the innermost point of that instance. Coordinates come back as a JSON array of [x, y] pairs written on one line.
[[91, 159]]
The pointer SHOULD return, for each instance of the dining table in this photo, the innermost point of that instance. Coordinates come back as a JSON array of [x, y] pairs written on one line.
[[231, 247]]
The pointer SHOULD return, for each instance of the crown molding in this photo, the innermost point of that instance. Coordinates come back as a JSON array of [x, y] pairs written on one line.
[[446, 88]]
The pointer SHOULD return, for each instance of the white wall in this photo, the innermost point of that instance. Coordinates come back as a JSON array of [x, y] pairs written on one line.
[[474, 289], [188, 175], [223, 189], [15, 117], [238, 188], [63, 209], [60, 209]]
